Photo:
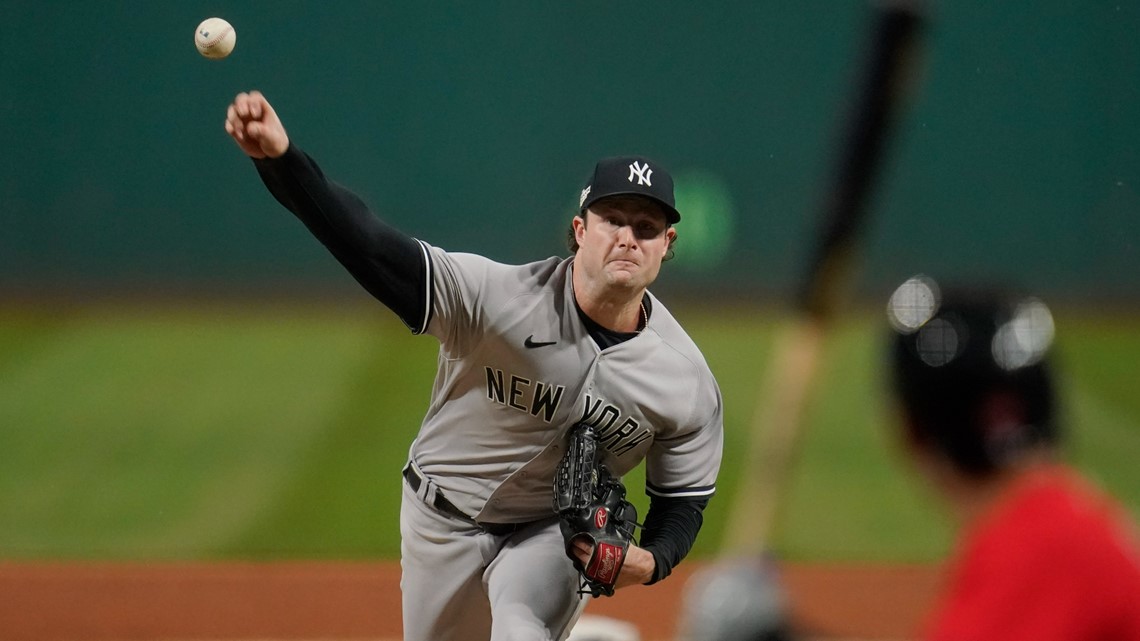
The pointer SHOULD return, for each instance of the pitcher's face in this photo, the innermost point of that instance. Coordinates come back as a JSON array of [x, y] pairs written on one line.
[[622, 241]]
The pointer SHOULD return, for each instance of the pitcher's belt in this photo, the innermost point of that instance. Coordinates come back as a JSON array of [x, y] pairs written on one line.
[[442, 505]]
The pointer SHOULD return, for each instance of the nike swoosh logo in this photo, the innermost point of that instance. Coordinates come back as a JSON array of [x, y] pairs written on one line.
[[531, 344]]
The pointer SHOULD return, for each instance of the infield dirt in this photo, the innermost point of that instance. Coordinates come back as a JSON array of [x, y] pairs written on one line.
[[333, 600]]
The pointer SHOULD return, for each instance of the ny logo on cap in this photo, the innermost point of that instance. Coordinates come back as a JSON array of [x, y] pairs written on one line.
[[585, 194], [643, 173]]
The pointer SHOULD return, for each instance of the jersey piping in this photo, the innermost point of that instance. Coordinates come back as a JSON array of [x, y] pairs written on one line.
[[705, 490], [429, 290]]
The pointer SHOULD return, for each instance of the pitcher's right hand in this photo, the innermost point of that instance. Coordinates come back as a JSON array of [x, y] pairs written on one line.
[[255, 127]]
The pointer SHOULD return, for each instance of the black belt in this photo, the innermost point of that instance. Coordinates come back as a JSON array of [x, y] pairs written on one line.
[[441, 504]]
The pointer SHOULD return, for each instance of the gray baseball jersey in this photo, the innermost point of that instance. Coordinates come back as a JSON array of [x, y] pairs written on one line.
[[517, 368]]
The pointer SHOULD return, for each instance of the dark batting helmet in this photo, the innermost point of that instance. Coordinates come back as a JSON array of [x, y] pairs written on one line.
[[970, 371]]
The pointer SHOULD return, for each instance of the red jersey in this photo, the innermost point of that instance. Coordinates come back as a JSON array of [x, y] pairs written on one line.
[[1053, 559]]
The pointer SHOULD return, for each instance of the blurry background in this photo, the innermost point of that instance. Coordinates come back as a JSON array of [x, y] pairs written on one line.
[[186, 374]]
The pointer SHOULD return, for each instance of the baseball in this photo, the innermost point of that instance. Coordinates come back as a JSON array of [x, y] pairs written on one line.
[[215, 38]]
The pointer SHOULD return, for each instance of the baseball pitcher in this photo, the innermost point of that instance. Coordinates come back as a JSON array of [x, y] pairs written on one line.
[[555, 378]]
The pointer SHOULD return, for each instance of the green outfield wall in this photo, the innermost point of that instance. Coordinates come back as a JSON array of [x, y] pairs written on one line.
[[474, 125]]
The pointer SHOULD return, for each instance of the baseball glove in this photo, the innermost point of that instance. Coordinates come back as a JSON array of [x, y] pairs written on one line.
[[591, 506]]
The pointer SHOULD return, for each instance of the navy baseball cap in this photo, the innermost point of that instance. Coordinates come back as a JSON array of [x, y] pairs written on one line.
[[631, 176]]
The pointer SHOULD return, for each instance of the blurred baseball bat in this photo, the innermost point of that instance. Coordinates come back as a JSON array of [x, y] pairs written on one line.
[[886, 81]]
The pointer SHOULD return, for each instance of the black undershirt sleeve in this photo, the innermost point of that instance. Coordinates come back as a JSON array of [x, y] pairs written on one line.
[[389, 264], [671, 527]]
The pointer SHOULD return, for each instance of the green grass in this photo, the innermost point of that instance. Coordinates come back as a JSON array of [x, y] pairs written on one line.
[[226, 432]]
